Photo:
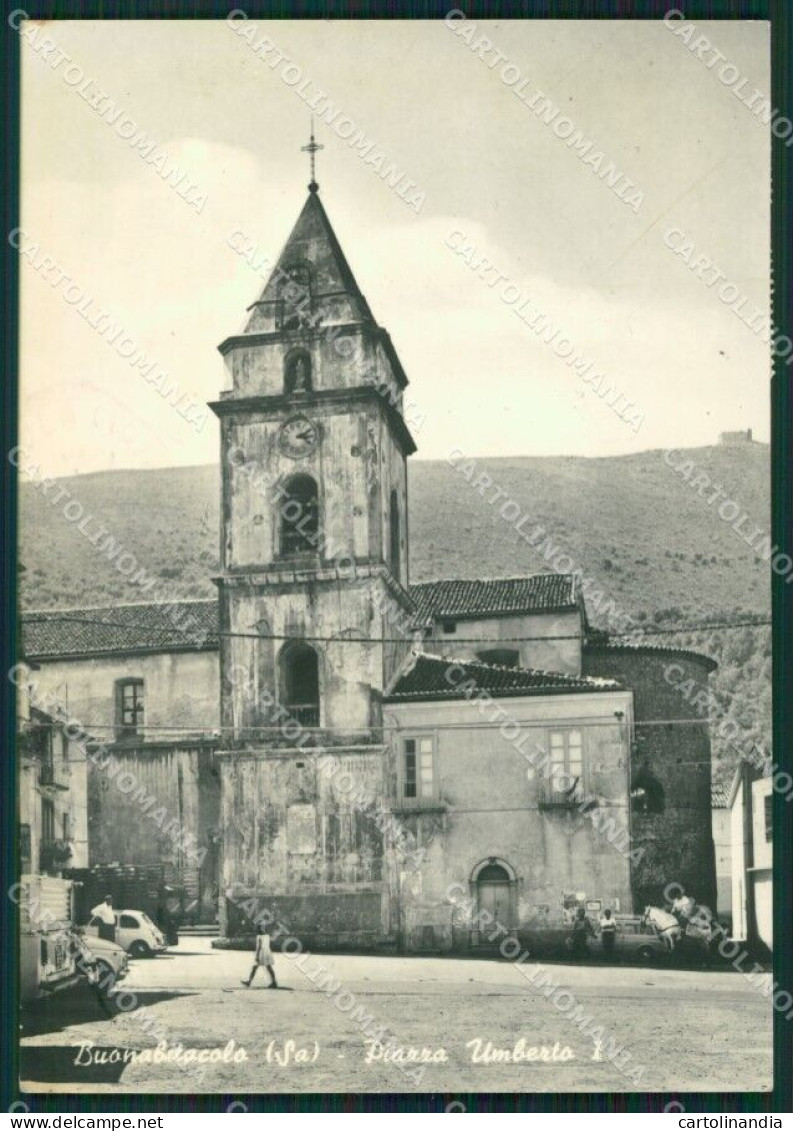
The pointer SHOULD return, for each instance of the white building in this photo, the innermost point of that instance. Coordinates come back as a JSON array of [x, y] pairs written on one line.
[[751, 827]]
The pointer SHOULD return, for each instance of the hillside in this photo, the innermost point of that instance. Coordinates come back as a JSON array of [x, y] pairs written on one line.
[[649, 541]]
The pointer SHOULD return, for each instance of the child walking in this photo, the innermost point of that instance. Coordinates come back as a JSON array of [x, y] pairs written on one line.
[[264, 957]]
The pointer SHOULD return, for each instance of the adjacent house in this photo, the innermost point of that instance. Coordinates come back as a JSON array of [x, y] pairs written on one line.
[[751, 822], [53, 796]]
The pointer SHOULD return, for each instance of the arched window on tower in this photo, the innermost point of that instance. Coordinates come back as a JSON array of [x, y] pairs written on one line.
[[299, 507], [297, 372], [299, 679], [394, 534], [647, 793]]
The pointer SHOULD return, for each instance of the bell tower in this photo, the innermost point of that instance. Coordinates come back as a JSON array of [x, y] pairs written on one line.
[[314, 519]]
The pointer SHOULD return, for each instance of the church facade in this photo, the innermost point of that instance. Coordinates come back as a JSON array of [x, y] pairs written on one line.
[[371, 762]]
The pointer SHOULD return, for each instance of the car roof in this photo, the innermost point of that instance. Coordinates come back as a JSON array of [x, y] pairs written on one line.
[[94, 942]]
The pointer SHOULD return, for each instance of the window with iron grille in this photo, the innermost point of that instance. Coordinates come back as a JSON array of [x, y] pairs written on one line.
[[418, 768], [129, 707]]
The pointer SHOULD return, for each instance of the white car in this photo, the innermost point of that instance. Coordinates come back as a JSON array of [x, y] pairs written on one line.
[[135, 932], [112, 963]]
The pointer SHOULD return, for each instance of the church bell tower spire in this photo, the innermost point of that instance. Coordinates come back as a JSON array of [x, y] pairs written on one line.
[[314, 539]]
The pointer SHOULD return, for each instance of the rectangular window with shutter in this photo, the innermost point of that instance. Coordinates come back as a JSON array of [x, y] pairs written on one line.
[[129, 707], [418, 768]]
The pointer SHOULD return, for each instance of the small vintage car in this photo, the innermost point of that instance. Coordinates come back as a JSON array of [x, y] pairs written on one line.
[[139, 936], [111, 959], [639, 939]]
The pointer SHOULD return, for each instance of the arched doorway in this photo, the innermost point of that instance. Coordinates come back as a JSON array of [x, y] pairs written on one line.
[[494, 886]]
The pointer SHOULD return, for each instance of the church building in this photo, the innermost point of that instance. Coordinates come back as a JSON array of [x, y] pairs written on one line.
[[372, 761]]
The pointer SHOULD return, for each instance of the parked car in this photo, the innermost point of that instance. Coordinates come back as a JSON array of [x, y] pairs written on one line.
[[111, 959], [135, 932], [639, 939]]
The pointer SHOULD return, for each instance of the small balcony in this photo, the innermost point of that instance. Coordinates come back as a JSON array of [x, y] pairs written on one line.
[[426, 804], [306, 714], [54, 854], [550, 797]]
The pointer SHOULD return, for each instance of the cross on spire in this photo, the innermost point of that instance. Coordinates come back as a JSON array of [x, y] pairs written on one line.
[[311, 149]]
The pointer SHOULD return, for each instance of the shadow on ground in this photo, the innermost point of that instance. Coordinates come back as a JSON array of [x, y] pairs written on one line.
[[78, 1006]]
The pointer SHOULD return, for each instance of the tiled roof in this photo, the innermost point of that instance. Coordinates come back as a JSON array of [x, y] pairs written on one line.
[[154, 627], [427, 679], [659, 649], [539, 593], [124, 628], [719, 796]]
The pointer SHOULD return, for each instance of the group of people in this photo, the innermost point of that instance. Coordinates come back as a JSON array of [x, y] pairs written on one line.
[[671, 925], [582, 930]]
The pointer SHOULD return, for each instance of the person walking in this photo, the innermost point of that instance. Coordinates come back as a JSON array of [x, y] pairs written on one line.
[[608, 933], [264, 957], [165, 916], [106, 919]]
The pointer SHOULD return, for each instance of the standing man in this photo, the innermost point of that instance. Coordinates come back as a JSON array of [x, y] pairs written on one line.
[[582, 929], [264, 957], [608, 933], [106, 917]]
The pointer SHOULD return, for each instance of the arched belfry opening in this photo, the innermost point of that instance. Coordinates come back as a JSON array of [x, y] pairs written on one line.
[[299, 682], [299, 508]]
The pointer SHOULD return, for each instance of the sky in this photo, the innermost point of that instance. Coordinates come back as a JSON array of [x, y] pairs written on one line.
[[481, 381]]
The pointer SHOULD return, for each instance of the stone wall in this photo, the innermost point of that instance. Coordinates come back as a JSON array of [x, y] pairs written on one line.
[[671, 743], [147, 788], [302, 842]]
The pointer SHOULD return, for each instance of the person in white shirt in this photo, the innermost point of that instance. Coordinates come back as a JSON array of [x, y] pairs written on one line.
[[683, 908], [608, 932], [264, 957], [106, 916]]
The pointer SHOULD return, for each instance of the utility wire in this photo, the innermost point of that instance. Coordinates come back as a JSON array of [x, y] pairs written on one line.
[[557, 724]]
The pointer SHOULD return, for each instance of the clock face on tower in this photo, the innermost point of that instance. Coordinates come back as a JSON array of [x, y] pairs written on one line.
[[298, 437]]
